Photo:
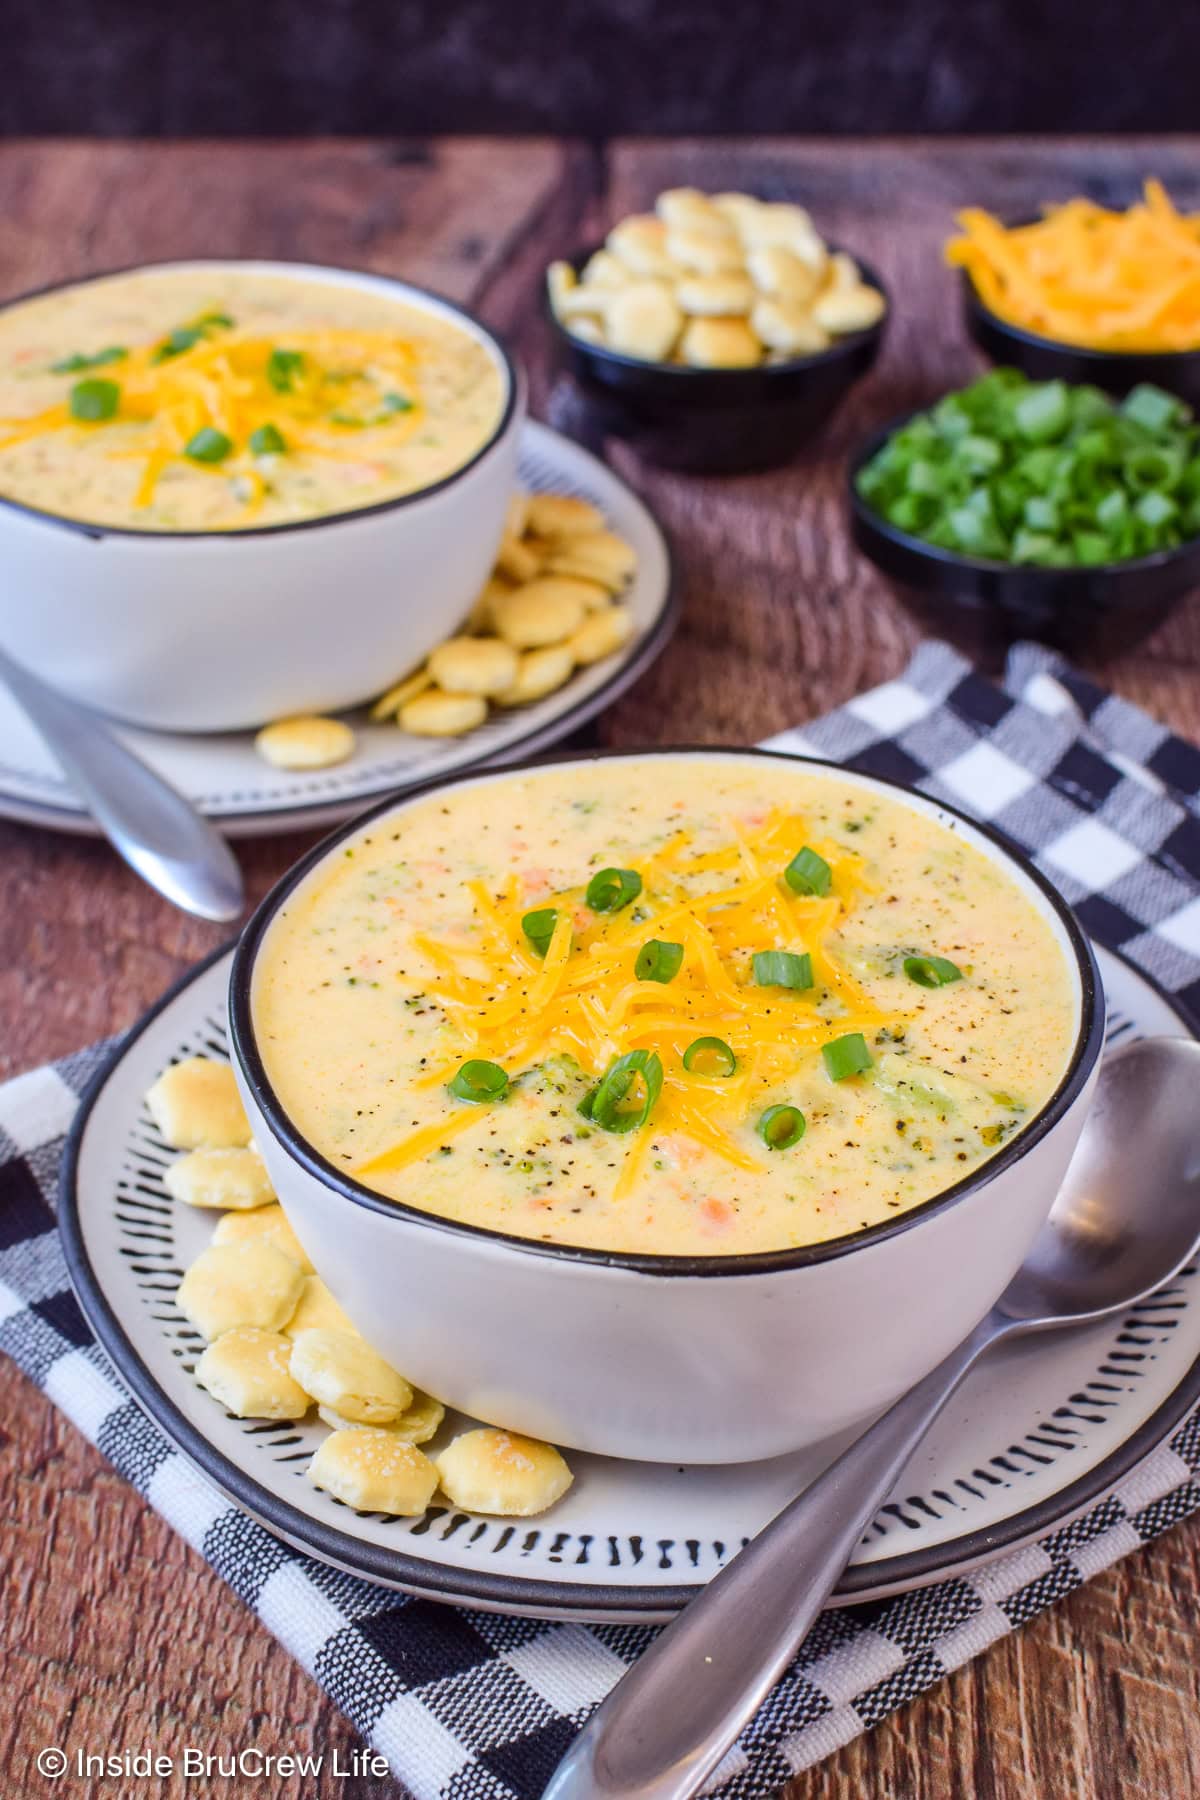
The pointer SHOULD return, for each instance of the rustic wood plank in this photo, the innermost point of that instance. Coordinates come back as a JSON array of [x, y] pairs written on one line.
[[444, 215], [111, 1632]]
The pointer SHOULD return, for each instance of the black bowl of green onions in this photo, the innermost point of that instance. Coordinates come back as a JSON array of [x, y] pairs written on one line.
[[1042, 509]]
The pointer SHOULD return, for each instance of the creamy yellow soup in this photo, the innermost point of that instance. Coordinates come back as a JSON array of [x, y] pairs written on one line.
[[168, 400], [539, 927]]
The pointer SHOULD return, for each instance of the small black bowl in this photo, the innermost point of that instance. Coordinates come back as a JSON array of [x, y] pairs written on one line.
[[1100, 610], [1047, 359], [716, 421]]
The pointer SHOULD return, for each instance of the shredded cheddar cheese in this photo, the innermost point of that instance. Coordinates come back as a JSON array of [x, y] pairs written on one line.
[[582, 999], [809, 1007], [336, 385], [1084, 275]]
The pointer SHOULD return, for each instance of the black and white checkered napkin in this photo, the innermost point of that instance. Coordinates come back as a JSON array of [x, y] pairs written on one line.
[[471, 1705]]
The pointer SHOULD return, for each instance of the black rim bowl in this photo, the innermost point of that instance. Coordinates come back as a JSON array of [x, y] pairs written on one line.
[[1101, 610], [345, 516], [1047, 359], [1089, 1040], [716, 421]]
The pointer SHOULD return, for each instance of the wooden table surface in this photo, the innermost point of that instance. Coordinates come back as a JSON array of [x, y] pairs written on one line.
[[113, 1634]]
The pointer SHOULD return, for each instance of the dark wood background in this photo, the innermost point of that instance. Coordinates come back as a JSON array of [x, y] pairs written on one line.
[[113, 1635], [597, 68]]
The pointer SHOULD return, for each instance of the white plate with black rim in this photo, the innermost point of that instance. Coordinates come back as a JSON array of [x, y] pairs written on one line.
[[222, 774], [1038, 1432]]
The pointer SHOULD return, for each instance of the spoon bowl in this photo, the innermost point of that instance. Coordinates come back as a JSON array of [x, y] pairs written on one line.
[[1128, 1213]]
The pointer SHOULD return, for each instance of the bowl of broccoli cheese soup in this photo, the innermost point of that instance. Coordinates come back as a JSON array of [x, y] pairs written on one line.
[[684, 1105], [230, 491]]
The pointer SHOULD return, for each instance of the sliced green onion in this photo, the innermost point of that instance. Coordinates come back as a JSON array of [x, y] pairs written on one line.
[[611, 889], [208, 446], [71, 365], [783, 968], [176, 342], [94, 401], [1044, 412], [479, 1081], [709, 1049], [781, 1126], [389, 407], [658, 960], [846, 1056], [538, 927], [1042, 514], [603, 1104], [931, 971], [268, 440], [283, 366], [184, 337], [1155, 509], [808, 873], [1151, 407], [1042, 473]]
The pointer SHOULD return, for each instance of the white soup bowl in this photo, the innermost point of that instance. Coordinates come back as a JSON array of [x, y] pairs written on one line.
[[224, 630], [709, 1359]]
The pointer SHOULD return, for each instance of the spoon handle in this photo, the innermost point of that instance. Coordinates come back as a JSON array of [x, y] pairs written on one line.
[[159, 833], [668, 1722]]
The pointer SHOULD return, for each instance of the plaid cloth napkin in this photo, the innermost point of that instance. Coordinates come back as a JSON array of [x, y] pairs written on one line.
[[471, 1705]]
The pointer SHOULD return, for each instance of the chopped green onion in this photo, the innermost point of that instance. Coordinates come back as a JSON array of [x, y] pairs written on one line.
[[980, 454], [283, 367], [611, 889], [931, 971], [71, 365], [658, 960], [1112, 511], [708, 1050], [94, 401], [1042, 514], [538, 927], [783, 968], [846, 1056], [479, 1081], [1043, 412], [808, 873], [1151, 407], [1155, 508], [1090, 547], [176, 342], [185, 336], [389, 406], [208, 446], [1036, 547], [781, 1126], [268, 440], [1042, 473], [603, 1104]]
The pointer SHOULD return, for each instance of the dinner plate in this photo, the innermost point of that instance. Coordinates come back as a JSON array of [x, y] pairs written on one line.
[[222, 774], [1039, 1431]]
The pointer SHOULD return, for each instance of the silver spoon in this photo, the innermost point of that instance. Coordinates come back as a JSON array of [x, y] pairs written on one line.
[[1126, 1219], [150, 824]]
